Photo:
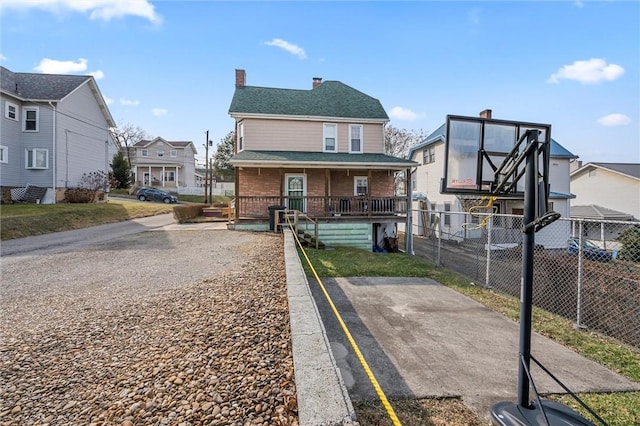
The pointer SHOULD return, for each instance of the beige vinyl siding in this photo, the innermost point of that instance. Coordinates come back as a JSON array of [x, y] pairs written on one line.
[[298, 135], [606, 189]]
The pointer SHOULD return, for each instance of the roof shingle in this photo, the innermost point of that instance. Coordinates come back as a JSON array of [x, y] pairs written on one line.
[[52, 87], [329, 99]]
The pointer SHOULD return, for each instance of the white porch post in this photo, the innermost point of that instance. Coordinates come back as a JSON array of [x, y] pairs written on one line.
[[176, 177], [149, 176], [163, 177]]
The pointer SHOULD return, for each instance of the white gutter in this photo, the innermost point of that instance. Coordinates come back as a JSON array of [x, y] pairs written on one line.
[[53, 155]]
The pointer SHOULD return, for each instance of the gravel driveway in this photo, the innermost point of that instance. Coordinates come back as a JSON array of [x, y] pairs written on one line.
[[157, 328]]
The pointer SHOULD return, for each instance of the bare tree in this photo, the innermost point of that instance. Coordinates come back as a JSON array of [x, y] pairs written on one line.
[[398, 142], [126, 136]]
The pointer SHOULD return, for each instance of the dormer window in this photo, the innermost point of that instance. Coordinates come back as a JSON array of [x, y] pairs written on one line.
[[355, 139], [330, 137]]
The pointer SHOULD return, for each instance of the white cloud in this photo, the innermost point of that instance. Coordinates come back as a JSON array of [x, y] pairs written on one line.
[[578, 3], [402, 114], [614, 120], [159, 112], [98, 75], [108, 101], [2, 57], [52, 66], [289, 47], [129, 102], [97, 9], [591, 71]]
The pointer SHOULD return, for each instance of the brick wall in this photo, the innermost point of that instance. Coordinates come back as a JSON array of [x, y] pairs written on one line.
[[267, 182]]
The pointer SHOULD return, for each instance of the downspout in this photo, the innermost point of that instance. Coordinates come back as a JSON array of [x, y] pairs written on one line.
[[53, 155]]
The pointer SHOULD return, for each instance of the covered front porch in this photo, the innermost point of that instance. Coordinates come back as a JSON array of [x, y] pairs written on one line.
[[160, 176]]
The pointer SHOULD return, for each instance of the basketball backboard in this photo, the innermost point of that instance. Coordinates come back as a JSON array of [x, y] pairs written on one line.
[[478, 151]]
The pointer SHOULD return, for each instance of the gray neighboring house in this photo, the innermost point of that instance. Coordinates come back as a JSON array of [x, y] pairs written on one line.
[[55, 128]]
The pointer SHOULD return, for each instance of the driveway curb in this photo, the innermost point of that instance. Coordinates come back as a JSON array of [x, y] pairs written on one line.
[[323, 399]]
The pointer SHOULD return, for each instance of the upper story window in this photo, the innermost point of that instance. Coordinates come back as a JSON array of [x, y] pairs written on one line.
[[30, 116], [429, 155], [144, 153], [330, 137], [160, 153], [37, 158], [173, 153], [355, 138], [360, 185], [10, 110], [240, 136], [4, 154]]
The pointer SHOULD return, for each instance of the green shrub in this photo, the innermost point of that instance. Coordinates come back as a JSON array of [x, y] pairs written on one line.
[[630, 240]]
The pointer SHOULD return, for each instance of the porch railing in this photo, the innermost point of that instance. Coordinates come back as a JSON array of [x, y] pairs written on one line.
[[257, 207]]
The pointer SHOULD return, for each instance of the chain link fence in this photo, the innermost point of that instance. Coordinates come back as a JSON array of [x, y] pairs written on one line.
[[585, 270]]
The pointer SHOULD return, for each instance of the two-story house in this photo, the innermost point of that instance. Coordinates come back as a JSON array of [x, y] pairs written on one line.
[[318, 151], [427, 178], [55, 128], [612, 186], [162, 163]]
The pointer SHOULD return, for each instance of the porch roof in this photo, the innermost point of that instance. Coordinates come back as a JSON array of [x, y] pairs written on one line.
[[319, 160]]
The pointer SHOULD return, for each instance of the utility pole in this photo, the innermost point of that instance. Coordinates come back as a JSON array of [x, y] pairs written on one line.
[[206, 168]]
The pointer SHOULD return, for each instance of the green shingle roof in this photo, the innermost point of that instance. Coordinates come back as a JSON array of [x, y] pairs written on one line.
[[329, 99], [310, 159]]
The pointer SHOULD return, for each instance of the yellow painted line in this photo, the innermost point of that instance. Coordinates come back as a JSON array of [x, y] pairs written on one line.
[[354, 345]]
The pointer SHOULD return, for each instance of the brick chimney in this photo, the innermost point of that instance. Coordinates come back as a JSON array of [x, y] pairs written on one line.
[[241, 78], [486, 113], [317, 81]]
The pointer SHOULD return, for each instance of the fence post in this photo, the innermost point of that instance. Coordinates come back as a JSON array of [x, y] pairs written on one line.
[[439, 238], [487, 274], [578, 323]]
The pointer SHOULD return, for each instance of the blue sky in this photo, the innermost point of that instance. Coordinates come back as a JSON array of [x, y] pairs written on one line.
[[168, 66]]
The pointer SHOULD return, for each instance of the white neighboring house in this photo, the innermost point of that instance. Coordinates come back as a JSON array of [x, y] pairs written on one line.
[[427, 179], [614, 186], [54, 129], [165, 164]]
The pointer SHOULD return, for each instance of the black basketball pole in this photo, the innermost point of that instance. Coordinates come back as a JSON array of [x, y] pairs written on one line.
[[526, 290]]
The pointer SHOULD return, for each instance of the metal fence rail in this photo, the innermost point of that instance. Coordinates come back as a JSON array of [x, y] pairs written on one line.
[[585, 270]]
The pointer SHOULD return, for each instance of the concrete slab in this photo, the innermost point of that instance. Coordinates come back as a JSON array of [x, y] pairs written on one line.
[[423, 339]]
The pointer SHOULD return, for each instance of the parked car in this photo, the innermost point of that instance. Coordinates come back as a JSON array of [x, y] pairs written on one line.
[[589, 250], [417, 196], [153, 194]]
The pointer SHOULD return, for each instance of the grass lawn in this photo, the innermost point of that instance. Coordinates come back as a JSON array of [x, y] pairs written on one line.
[[622, 408], [23, 220]]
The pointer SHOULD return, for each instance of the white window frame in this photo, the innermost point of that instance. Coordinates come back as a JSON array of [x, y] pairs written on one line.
[[7, 108], [240, 136], [24, 119], [160, 153], [361, 150], [325, 135], [34, 156], [173, 153], [144, 152], [4, 154], [447, 216], [170, 176], [429, 155], [355, 185]]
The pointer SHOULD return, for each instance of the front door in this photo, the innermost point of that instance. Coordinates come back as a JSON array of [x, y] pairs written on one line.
[[295, 191]]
